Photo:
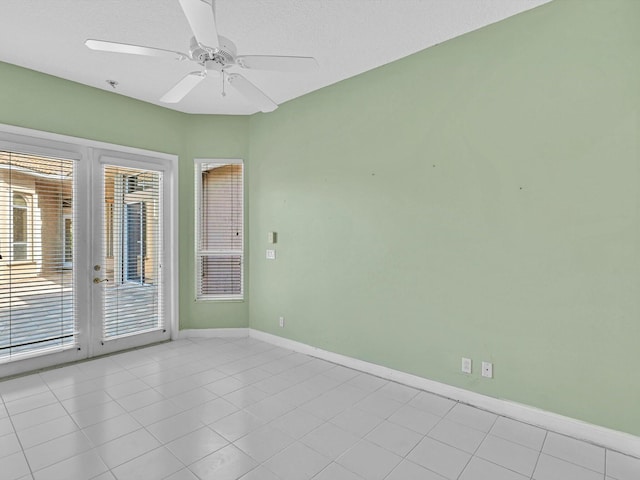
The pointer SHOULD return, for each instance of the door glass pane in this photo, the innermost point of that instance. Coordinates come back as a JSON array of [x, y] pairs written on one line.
[[135, 239], [37, 306], [19, 228], [68, 241], [132, 249]]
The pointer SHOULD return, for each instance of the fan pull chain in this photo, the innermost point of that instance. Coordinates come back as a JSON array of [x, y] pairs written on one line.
[[224, 94]]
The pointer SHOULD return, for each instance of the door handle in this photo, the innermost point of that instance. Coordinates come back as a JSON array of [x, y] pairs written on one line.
[[96, 280]]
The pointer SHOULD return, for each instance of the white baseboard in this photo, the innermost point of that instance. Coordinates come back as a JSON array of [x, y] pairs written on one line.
[[605, 437], [213, 333]]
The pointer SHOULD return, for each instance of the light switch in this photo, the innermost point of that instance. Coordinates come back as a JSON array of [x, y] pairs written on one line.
[[271, 254]]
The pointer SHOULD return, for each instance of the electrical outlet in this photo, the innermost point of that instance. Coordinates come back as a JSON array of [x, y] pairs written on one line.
[[271, 254], [281, 322], [487, 369], [466, 365]]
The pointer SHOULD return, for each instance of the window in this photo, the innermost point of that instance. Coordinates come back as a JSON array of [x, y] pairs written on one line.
[[67, 241], [219, 229], [37, 298], [133, 250], [20, 224]]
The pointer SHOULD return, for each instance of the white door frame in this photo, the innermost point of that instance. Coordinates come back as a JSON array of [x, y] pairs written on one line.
[[84, 151], [102, 157]]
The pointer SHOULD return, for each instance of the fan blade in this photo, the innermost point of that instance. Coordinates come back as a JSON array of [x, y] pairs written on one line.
[[184, 86], [104, 46], [252, 93], [202, 21], [281, 64]]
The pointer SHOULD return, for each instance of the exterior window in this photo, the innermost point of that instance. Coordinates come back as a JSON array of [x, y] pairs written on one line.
[[20, 224], [219, 230], [108, 229], [67, 241]]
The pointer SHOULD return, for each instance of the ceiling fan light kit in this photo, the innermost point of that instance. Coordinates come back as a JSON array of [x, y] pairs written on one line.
[[214, 53]]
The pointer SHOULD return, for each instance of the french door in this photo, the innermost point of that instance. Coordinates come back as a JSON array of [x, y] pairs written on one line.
[[87, 257], [128, 252]]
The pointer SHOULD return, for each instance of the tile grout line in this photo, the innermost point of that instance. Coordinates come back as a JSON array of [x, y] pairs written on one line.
[[324, 422], [26, 460], [473, 455], [314, 372], [540, 453], [79, 429], [578, 464]]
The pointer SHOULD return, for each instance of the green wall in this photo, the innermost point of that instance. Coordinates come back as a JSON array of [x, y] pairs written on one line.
[[479, 198], [208, 136], [42, 102]]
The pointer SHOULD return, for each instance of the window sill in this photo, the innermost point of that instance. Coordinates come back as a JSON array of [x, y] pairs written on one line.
[[219, 300]]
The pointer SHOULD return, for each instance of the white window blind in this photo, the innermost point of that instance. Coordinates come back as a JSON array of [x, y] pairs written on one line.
[[219, 229], [132, 250], [37, 304]]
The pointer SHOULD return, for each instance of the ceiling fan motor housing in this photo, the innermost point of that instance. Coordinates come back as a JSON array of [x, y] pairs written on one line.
[[214, 58]]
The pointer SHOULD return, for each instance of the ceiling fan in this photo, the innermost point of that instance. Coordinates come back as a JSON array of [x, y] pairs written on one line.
[[214, 53]]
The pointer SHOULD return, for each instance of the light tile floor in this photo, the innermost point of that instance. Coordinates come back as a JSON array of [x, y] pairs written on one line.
[[228, 409]]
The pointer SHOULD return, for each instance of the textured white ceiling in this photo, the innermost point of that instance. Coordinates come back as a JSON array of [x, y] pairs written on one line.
[[347, 37]]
